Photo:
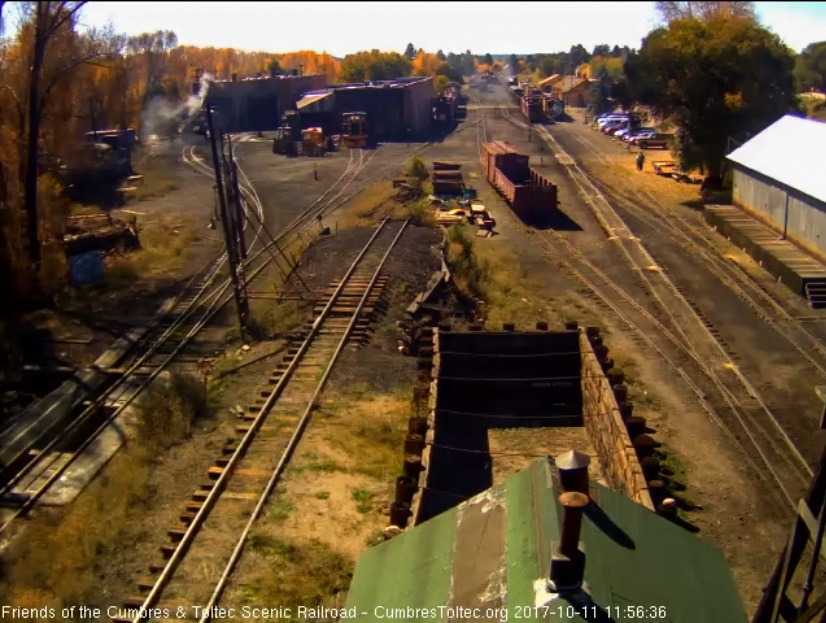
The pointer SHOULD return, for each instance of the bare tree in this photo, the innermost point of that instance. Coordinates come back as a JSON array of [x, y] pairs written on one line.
[[703, 11]]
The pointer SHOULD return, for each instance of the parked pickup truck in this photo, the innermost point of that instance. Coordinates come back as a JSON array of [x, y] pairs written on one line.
[[655, 140]]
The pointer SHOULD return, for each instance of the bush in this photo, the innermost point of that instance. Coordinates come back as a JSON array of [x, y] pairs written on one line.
[[419, 214], [167, 409], [416, 170], [470, 273]]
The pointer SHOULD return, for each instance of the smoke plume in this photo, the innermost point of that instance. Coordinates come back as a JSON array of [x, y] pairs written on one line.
[[164, 118]]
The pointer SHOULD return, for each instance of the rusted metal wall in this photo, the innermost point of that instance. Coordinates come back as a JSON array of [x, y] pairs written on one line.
[[782, 208]]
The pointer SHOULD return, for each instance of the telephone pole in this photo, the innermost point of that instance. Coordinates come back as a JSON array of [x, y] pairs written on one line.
[[230, 241]]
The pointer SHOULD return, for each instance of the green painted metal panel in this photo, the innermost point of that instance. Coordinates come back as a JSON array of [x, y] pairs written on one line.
[[531, 524], [635, 559], [411, 570]]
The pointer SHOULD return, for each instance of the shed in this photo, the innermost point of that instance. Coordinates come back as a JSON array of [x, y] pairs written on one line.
[[779, 179], [493, 552]]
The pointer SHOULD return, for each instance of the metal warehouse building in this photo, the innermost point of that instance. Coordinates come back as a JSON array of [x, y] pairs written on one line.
[[780, 179], [392, 107], [258, 103]]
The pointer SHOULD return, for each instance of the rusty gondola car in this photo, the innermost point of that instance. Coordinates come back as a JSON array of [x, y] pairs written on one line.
[[531, 196]]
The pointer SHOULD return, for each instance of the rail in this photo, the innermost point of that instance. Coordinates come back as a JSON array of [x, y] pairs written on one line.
[[218, 487], [614, 226]]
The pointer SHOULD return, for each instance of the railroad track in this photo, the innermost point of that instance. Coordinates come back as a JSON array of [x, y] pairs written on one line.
[[694, 240], [746, 426], [46, 458], [690, 237], [249, 468], [43, 460], [748, 420]]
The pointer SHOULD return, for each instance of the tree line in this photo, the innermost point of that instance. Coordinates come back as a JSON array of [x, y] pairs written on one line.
[[711, 67]]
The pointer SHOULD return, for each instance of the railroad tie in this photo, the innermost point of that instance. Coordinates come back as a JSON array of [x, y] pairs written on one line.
[[147, 583], [193, 507], [167, 550]]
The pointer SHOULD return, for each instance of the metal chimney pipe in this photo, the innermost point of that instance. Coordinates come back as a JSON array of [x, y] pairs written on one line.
[[573, 504], [573, 471]]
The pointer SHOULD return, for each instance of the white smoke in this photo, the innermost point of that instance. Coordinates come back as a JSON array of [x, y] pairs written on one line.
[[163, 118]]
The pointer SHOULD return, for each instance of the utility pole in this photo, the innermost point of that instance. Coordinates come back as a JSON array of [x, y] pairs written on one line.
[[241, 303]]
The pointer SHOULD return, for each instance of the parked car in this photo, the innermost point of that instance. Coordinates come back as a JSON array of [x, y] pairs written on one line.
[[613, 125], [611, 119], [623, 132], [642, 133], [654, 140]]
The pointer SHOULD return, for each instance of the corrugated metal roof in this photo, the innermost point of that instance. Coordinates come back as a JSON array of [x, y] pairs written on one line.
[[311, 98], [789, 151], [490, 551]]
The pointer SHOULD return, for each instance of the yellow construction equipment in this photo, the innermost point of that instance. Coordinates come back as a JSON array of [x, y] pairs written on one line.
[[312, 142]]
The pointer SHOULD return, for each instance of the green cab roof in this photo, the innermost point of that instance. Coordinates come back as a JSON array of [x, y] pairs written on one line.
[[492, 553]]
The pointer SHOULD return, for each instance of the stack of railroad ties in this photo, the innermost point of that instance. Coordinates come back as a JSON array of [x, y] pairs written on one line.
[[448, 182]]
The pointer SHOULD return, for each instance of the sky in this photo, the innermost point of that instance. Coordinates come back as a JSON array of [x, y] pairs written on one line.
[[344, 27]]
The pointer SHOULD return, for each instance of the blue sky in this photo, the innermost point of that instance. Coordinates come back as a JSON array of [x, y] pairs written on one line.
[[344, 27]]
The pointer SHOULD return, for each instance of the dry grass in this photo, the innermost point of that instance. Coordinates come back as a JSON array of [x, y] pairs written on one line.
[[164, 247], [167, 409], [297, 574], [270, 321], [328, 507], [369, 206], [54, 564], [156, 180], [492, 272]]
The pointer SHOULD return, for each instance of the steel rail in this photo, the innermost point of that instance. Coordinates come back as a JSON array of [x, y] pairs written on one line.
[[294, 439], [216, 490]]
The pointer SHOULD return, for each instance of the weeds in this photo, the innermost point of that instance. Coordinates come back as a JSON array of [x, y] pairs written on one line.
[[363, 500], [276, 321], [281, 509], [154, 184], [164, 248], [470, 273], [315, 463], [420, 214], [167, 409], [299, 575], [322, 495], [376, 538]]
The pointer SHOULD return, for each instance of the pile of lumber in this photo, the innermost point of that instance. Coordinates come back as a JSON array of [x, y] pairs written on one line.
[[100, 232]]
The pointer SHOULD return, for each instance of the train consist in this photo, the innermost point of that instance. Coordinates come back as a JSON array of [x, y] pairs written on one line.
[[451, 106], [531, 196], [535, 105]]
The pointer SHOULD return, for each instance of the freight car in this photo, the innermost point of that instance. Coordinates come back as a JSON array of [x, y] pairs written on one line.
[[531, 196], [532, 108]]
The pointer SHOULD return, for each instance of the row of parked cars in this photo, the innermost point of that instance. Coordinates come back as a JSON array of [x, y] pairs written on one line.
[[627, 129]]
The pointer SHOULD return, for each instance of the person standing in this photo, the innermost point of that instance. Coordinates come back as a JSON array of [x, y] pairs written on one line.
[[640, 161]]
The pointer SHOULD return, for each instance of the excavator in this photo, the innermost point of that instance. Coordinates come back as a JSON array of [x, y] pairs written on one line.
[[354, 129], [312, 142]]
